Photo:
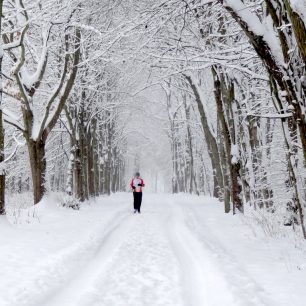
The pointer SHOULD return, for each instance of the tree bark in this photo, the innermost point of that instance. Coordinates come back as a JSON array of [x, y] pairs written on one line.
[[210, 141], [225, 170], [96, 161], [299, 29], [109, 156], [38, 167], [233, 164], [192, 181], [90, 165], [78, 173], [2, 171]]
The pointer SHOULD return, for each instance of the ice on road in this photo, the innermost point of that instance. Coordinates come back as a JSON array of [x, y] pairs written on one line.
[[182, 250]]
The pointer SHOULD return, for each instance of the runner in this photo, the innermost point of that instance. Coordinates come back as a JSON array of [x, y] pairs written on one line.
[[137, 184]]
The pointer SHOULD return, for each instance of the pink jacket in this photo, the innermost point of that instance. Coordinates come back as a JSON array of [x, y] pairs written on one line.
[[134, 183]]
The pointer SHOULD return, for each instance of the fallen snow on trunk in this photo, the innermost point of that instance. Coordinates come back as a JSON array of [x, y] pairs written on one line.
[[182, 250]]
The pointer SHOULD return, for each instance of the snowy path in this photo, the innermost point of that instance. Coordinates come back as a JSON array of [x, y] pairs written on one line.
[[170, 255], [135, 265]]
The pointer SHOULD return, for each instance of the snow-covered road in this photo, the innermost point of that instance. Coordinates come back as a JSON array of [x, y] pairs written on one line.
[[182, 250]]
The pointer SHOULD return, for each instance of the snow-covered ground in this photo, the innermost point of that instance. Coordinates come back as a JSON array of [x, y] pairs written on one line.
[[182, 250]]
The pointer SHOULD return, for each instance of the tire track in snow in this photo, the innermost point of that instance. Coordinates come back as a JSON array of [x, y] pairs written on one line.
[[58, 270], [247, 291], [86, 275], [144, 271], [202, 282]]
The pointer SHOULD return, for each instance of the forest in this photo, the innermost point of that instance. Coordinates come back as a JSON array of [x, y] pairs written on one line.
[[229, 75], [203, 97]]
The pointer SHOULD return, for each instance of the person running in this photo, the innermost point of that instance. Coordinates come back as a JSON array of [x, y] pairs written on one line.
[[137, 184]]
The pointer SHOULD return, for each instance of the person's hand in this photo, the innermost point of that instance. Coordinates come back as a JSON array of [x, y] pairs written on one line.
[[139, 184], [133, 187]]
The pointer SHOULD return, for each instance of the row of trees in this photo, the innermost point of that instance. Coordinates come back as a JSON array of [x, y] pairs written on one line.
[[242, 63], [59, 100]]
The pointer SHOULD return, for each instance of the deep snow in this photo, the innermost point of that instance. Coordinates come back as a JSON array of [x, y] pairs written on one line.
[[182, 250]]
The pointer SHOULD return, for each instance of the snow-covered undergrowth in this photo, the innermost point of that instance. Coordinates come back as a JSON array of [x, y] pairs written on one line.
[[269, 226], [19, 208], [182, 250], [271, 223]]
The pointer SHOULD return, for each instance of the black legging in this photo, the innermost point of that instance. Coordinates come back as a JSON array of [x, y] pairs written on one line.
[[137, 200]]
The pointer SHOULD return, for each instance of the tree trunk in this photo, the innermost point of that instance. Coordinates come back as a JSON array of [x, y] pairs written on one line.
[[78, 173], [233, 162], [90, 165], [262, 193], [114, 170], [210, 141], [38, 167], [225, 170], [2, 171], [19, 190], [192, 181], [70, 180], [83, 151], [96, 164]]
